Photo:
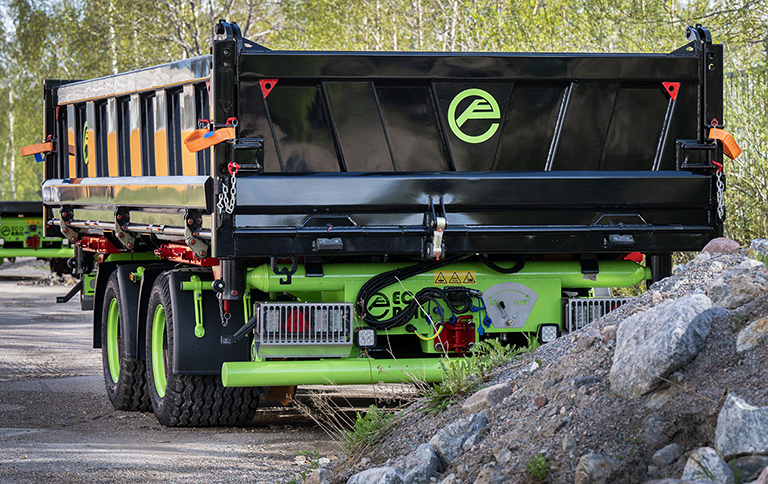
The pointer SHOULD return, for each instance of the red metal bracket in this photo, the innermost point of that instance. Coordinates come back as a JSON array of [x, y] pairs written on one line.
[[458, 337], [101, 245], [182, 253]]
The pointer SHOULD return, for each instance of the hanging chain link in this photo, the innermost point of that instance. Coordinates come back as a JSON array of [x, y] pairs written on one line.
[[720, 195], [229, 193], [223, 314], [227, 198]]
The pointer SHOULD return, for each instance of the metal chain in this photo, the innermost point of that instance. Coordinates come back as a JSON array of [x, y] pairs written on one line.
[[223, 315], [720, 195], [227, 198]]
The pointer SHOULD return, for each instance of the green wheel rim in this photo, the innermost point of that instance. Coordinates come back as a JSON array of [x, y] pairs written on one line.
[[113, 340], [158, 350]]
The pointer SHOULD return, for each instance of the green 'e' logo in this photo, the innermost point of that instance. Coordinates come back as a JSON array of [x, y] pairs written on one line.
[[483, 107]]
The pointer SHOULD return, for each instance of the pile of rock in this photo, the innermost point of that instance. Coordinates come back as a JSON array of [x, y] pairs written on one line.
[[673, 383]]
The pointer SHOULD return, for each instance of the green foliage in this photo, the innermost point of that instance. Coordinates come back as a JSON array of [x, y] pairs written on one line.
[[463, 375], [537, 467], [80, 39], [368, 429]]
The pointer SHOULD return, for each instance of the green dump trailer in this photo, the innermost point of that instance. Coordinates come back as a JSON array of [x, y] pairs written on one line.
[[22, 235], [253, 220]]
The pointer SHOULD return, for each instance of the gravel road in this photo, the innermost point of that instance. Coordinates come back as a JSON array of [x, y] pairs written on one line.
[[57, 425]]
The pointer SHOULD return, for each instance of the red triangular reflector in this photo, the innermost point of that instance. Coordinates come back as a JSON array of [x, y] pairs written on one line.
[[671, 88], [267, 85]]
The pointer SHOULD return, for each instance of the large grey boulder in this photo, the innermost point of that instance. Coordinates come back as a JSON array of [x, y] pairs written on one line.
[[755, 333], [750, 466], [595, 469], [680, 481], [421, 465], [487, 398], [667, 455], [658, 341], [741, 429], [378, 475], [721, 245], [737, 287], [449, 440], [705, 465]]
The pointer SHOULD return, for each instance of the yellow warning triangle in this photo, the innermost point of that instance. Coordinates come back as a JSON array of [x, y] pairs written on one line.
[[440, 279], [469, 279], [455, 279]]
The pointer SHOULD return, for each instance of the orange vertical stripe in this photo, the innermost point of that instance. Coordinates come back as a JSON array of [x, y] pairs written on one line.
[[72, 156], [90, 139], [136, 153], [112, 153], [188, 159], [161, 153]]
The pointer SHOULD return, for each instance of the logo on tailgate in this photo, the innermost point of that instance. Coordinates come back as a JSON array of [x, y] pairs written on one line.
[[483, 106]]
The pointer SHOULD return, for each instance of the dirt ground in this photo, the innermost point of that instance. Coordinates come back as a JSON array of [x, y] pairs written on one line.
[[57, 425]]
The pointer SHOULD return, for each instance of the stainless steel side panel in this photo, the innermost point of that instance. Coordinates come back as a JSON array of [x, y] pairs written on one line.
[[150, 79], [159, 192]]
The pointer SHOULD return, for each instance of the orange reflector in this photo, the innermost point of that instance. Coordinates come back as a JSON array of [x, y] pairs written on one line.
[[201, 139], [730, 147]]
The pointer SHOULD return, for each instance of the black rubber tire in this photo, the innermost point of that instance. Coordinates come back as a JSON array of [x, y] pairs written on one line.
[[191, 400], [129, 392], [59, 266]]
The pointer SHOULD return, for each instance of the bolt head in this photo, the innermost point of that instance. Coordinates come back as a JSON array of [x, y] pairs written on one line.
[[234, 292]]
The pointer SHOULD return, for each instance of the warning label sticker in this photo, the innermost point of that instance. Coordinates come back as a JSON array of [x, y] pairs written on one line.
[[455, 278]]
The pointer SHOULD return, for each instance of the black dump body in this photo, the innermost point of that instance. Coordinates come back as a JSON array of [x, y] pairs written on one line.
[[362, 153], [519, 152]]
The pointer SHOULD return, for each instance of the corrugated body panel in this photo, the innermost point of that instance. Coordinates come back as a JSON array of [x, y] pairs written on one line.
[[135, 135], [101, 132], [160, 134], [71, 136], [123, 130], [356, 115], [202, 110], [411, 124], [188, 124], [89, 154], [112, 137], [301, 127], [528, 127], [636, 124], [585, 126], [147, 131]]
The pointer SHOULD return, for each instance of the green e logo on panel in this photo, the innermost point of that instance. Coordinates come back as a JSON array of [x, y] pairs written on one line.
[[484, 106]]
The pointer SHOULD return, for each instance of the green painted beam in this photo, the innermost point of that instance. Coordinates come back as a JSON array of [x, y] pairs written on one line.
[[337, 276], [349, 371], [63, 253]]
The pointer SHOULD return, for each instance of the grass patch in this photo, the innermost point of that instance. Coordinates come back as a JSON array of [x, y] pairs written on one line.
[[368, 429], [537, 467], [463, 375]]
